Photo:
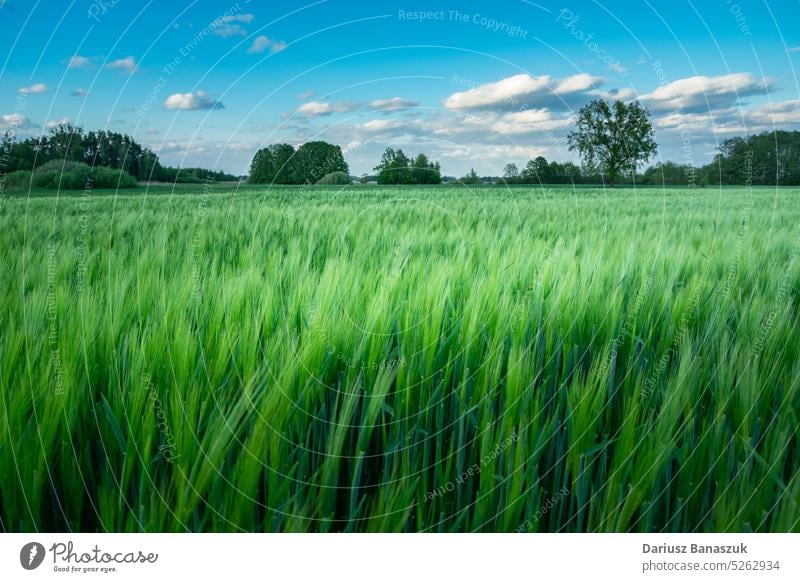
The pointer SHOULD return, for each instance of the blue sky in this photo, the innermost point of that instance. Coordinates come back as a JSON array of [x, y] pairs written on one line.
[[472, 84]]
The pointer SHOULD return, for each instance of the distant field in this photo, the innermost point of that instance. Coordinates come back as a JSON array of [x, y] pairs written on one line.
[[401, 359]]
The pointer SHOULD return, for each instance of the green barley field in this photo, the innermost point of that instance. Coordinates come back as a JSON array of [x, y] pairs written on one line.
[[401, 359]]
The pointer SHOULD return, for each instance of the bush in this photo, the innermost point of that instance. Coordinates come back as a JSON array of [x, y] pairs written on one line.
[[105, 177], [69, 176], [19, 180], [64, 175], [338, 178]]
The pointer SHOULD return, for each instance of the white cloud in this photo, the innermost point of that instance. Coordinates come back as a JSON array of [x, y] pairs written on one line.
[[523, 90], [33, 89], [126, 65], [192, 101], [245, 18], [700, 123], [263, 43], [576, 83], [794, 49], [383, 126], [305, 95], [318, 108], [14, 121], [352, 146], [705, 93], [781, 113], [227, 26], [79, 93], [531, 121], [497, 155], [228, 30], [733, 120], [392, 104], [55, 123], [78, 62], [618, 68], [169, 147]]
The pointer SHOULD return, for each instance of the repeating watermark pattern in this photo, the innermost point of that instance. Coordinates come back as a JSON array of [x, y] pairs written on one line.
[[168, 70], [349, 362], [569, 21], [83, 232], [543, 510], [168, 447], [687, 153], [474, 18], [741, 19], [744, 230], [627, 328], [196, 241], [472, 470], [686, 134], [70, 558], [518, 105], [9, 137], [100, 8], [680, 334], [784, 288], [52, 321]]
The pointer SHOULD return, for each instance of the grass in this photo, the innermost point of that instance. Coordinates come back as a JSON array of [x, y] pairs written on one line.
[[407, 359]]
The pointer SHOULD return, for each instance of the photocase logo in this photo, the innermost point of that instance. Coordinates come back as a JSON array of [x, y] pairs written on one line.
[[31, 555]]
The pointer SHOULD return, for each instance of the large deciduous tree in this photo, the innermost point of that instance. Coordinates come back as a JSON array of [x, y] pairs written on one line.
[[316, 159], [536, 171], [613, 138], [274, 164], [510, 172]]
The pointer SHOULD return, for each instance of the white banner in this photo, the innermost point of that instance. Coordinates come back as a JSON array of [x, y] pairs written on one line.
[[400, 557]]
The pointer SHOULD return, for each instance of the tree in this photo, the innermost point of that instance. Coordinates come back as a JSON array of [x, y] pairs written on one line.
[[316, 159], [425, 172], [668, 174], [274, 164], [470, 178], [282, 164], [536, 171], [768, 158], [262, 167], [511, 173], [63, 142], [613, 138], [394, 168], [97, 149], [572, 173]]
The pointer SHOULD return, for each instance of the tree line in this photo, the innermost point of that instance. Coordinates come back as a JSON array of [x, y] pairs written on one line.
[[765, 159], [768, 158], [70, 144], [613, 141]]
